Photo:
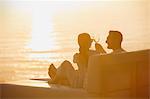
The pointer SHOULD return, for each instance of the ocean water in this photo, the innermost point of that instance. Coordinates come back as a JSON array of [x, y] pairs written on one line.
[[35, 34], [17, 61]]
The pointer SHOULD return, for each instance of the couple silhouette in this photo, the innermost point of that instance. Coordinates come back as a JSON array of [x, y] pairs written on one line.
[[65, 74]]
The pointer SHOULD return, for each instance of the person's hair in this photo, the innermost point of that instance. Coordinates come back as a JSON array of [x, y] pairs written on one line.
[[116, 35], [84, 39]]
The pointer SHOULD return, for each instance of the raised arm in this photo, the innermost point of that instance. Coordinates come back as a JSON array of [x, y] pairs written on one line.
[[99, 48]]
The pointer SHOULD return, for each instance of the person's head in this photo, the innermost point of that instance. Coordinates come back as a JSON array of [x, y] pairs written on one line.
[[114, 40], [84, 40]]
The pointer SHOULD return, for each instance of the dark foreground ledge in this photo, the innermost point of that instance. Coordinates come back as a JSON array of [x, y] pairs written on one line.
[[39, 90]]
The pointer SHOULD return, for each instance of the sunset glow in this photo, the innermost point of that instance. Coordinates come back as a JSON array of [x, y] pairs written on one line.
[[43, 25], [41, 29]]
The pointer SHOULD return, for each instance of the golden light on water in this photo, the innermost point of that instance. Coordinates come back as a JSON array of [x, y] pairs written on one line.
[[41, 29], [42, 38]]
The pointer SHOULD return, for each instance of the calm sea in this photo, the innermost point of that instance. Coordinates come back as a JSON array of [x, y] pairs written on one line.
[[18, 61]]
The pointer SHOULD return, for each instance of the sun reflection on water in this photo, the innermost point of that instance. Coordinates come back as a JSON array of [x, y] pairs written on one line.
[[42, 27]]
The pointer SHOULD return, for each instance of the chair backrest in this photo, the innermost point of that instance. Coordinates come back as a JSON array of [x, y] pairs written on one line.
[[124, 74]]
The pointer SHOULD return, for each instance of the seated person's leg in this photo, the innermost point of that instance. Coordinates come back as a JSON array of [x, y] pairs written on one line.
[[64, 74], [52, 71]]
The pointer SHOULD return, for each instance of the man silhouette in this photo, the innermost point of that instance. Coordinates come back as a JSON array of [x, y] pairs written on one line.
[[114, 41]]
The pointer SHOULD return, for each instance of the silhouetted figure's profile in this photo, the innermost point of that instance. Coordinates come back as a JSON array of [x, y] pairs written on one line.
[[66, 74], [114, 41]]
